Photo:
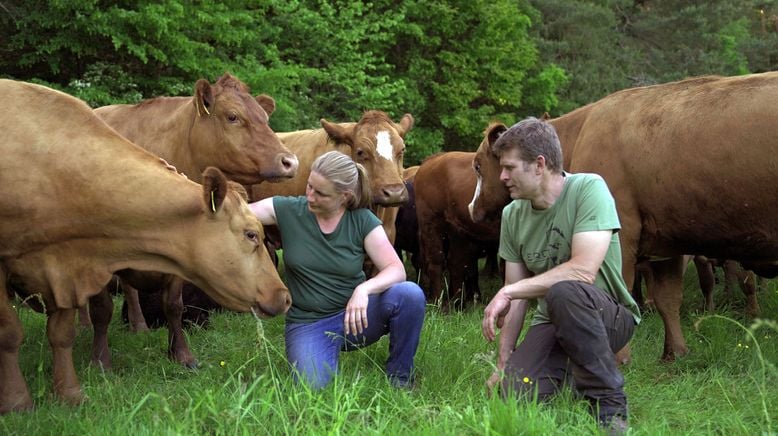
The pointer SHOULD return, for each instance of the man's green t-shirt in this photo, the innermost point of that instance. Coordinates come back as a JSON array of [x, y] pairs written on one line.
[[541, 239], [321, 269]]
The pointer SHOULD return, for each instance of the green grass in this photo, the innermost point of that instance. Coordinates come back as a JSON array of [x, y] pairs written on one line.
[[726, 385]]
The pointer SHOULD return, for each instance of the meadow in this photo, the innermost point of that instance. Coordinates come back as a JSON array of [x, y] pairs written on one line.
[[727, 384]]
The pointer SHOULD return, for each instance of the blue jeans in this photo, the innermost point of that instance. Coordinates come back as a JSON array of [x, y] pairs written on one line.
[[313, 349]]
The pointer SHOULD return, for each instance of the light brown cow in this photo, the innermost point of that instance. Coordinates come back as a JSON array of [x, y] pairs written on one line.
[[448, 237], [221, 125], [80, 202], [687, 163], [375, 141]]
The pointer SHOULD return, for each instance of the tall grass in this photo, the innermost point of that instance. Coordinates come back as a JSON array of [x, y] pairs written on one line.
[[726, 385]]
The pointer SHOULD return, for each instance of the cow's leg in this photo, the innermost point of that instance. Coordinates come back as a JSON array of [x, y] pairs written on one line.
[[134, 313], [14, 395], [747, 281], [629, 237], [61, 331], [101, 311], [173, 306], [471, 287], [84, 320], [460, 267], [432, 255], [707, 279], [492, 264], [642, 271], [667, 288]]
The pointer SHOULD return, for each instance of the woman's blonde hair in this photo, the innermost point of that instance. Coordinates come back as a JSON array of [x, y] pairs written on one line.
[[347, 176]]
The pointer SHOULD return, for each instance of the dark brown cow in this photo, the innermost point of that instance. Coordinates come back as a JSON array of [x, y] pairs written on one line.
[[73, 213], [444, 184], [687, 163], [406, 227], [221, 125]]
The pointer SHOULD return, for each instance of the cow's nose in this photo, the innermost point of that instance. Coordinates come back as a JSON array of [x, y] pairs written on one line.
[[290, 164], [395, 194]]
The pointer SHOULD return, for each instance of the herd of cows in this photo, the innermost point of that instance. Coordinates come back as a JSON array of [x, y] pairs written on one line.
[[154, 197]]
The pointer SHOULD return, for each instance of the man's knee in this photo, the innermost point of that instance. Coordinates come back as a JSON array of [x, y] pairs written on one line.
[[563, 292]]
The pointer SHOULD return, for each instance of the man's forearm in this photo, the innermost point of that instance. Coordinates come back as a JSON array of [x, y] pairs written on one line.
[[509, 334], [537, 286]]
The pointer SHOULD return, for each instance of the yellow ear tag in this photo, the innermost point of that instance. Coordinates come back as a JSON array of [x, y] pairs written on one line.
[[213, 203]]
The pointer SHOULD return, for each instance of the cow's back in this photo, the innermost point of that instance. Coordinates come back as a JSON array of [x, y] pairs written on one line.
[[695, 159], [54, 197], [140, 123]]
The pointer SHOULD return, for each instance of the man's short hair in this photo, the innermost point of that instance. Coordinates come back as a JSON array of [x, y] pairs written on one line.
[[532, 138]]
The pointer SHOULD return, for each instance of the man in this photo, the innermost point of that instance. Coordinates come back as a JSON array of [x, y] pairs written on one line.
[[558, 238]]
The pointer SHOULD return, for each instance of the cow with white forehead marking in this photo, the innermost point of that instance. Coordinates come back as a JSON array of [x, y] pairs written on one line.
[[375, 141]]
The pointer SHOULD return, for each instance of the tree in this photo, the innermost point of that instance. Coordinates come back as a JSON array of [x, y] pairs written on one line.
[[468, 62]]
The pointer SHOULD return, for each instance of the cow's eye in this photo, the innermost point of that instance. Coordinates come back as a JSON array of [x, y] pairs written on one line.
[[361, 153], [252, 236], [231, 117]]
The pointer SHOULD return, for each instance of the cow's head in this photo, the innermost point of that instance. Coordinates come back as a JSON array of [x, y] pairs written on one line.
[[232, 264], [491, 195], [377, 143], [231, 132]]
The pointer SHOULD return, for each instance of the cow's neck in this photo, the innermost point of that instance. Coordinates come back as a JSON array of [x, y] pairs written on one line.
[[172, 139], [568, 127]]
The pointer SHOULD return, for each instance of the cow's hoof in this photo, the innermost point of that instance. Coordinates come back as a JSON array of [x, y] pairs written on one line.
[[16, 404], [73, 397]]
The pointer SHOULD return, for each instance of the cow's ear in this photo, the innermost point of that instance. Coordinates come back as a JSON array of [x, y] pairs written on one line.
[[267, 103], [545, 116], [337, 132], [405, 124], [203, 98], [494, 132], [214, 188], [240, 189]]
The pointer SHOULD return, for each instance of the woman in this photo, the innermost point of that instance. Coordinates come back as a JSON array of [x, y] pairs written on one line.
[[326, 235]]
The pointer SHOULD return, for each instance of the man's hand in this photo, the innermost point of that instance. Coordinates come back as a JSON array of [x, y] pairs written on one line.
[[495, 313], [494, 381], [356, 313]]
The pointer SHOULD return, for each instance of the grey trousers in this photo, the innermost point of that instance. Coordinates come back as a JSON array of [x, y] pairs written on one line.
[[587, 327]]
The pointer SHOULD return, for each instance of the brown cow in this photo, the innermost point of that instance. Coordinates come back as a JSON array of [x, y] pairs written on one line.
[[223, 126], [734, 274], [375, 142], [687, 163], [444, 184], [73, 213], [406, 238]]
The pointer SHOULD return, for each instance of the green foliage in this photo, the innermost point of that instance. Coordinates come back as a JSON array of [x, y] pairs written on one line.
[[582, 38], [679, 38], [455, 65], [469, 62]]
